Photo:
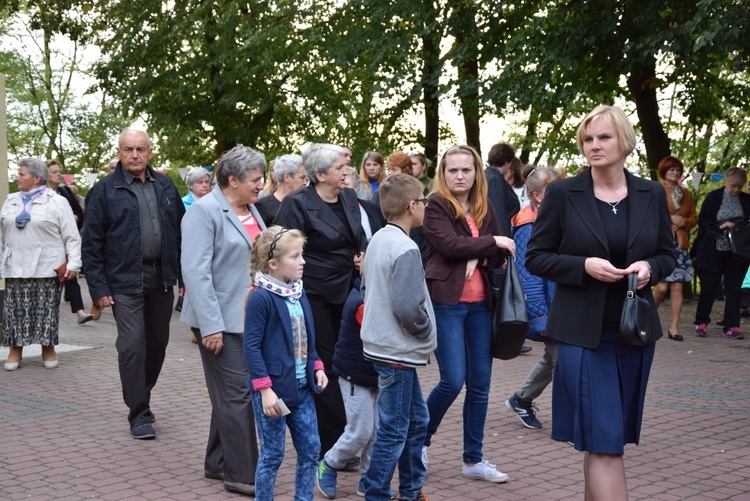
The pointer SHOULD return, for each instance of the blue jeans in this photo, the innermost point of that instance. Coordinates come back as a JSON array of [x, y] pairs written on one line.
[[464, 334], [303, 426], [403, 423]]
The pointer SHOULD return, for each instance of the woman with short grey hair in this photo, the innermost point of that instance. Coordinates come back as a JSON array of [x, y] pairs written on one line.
[[328, 214], [221, 227], [237, 163], [290, 176], [41, 248], [198, 182]]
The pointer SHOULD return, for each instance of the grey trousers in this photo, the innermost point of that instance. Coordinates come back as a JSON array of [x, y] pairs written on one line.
[[232, 447], [142, 337], [361, 404], [539, 377]]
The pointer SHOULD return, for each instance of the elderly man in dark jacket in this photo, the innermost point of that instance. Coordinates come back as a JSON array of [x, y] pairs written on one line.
[[131, 252]]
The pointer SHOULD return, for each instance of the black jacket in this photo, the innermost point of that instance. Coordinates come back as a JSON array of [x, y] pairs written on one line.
[[704, 247], [68, 195], [111, 247], [330, 248], [348, 359], [503, 199], [568, 230]]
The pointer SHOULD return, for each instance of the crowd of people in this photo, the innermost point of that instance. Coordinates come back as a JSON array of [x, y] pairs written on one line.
[[316, 291]]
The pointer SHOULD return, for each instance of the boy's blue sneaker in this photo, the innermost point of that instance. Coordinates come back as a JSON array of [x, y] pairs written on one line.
[[326, 480], [361, 489], [527, 416]]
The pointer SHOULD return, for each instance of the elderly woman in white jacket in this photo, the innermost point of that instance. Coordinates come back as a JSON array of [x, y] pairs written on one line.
[[41, 248]]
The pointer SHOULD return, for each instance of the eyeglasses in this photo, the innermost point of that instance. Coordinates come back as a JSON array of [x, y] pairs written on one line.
[[425, 201], [275, 241]]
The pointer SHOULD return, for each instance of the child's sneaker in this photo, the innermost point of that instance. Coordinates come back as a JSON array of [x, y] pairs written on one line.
[[527, 416], [700, 330], [361, 489], [484, 471], [325, 479], [733, 333]]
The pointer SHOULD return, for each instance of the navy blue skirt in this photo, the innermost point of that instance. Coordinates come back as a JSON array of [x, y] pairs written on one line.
[[598, 394]]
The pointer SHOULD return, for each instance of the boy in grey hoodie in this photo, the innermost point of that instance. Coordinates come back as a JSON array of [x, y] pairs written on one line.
[[398, 335]]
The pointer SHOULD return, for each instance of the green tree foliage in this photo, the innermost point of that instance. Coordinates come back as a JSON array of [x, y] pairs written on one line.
[[49, 115], [563, 57]]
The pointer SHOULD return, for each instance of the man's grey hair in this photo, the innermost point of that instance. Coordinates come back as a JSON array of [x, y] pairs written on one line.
[[130, 129], [196, 175], [36, 167], [319, 158], [286, 164], [238, 162]]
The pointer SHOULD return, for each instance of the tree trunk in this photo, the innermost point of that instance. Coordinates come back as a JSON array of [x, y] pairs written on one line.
[[467, 65], [528, 141], [640, 84], [430, 96]]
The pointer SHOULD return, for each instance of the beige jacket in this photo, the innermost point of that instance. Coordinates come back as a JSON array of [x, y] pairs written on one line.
[[45, 243]]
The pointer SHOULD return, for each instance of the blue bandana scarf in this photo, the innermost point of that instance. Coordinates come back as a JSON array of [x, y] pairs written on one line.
[[24, 212], [292, 292]]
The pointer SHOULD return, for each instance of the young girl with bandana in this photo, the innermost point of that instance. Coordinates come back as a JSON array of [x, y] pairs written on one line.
[[283, 367]]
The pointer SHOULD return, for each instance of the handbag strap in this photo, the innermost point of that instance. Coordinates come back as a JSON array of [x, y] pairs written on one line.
[[632, 285]]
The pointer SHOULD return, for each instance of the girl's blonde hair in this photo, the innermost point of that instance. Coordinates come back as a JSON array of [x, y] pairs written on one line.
[[477, 193], [272, 243], [365, 180]]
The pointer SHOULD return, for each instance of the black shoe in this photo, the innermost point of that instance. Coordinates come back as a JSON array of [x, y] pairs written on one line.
[[525, 349], [143, 431], [676, 337], [240, 488]]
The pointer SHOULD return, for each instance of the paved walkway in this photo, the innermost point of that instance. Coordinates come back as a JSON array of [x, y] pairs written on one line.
[[64, 433]]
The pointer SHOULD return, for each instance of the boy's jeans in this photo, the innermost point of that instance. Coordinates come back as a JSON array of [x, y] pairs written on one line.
[[403, 425], [303, 427]]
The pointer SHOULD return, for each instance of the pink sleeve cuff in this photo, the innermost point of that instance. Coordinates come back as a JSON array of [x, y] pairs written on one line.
[[318, 366], [261, 382]]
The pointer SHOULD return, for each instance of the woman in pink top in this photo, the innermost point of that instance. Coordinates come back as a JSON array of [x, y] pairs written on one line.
[[464, 244]]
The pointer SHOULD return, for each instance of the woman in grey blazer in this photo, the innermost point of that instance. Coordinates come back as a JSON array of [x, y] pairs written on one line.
[[218, 232]]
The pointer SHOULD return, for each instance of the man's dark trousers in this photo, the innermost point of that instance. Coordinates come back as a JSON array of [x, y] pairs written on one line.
[[142, 337]]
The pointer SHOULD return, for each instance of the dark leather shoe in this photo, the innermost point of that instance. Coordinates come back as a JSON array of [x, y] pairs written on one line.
[[676, 337], [525, 349], [240, 488]]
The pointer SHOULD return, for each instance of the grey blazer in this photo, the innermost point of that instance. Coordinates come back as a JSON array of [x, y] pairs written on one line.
[[216, 265]]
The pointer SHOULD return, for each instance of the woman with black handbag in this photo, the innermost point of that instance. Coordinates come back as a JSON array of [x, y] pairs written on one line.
[[592, 231], [464, 243], [724, 210]]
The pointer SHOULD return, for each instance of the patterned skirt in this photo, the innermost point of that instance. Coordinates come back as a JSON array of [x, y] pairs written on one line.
[[31, 313], [684, 270]]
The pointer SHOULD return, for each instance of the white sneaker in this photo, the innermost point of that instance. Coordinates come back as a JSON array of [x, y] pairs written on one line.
[[484, 471], [425, 462]]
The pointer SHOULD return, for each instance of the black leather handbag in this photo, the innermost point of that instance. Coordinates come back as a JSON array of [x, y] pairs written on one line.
[[510, 320], [634, 322], [739, 239]]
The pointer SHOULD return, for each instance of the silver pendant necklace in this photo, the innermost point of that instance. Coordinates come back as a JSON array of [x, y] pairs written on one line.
[[613, 205]]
